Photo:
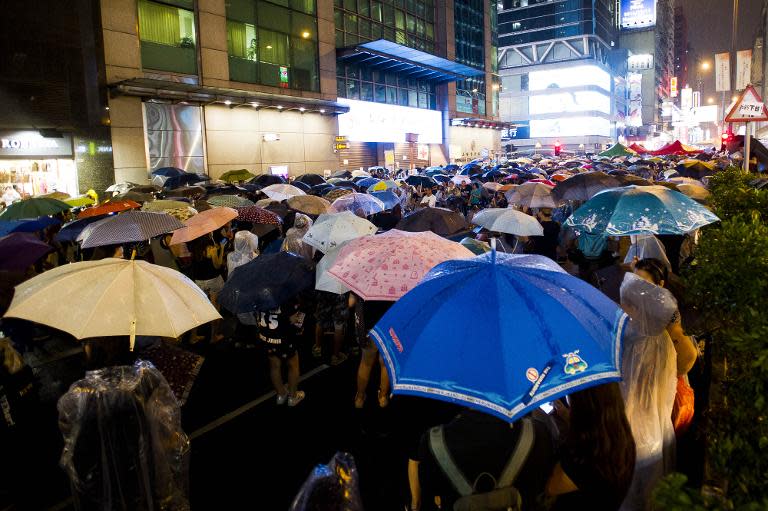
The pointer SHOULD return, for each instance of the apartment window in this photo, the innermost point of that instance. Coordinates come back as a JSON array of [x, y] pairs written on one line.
[[167, 34], [356, 82], [273, 43], [408, 23]]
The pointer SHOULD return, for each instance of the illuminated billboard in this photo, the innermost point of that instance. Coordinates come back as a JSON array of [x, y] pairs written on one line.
[[575, 76], [570, 127], [379, 122], [637, 13], [579, 101]]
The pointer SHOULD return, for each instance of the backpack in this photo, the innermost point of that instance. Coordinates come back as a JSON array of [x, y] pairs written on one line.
[[504, 496]]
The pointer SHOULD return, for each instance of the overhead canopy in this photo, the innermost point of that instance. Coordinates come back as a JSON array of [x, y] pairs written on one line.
[[618, 150], [638, 148], [675, 147], [389, 56]]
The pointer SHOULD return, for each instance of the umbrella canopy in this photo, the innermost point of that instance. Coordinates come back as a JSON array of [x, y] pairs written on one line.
[[386, 266], [388, 198], [33, 208], [695, 192], [203, 223], [424, 181], [324, 281], [331, 230], [342, 174], [532, 195], [381, 186], [537, 332], [443, 222], [121, 187], [640, 210], [638, 148], [281, 192], [461, 179], [234, 176], [267, 179], [321, 189], [162, 205], [355, 202], [675, 147], [360, 173], [79, 202], [32, 225], [187, 178], [367, 182], [229, 201], [311, 179], [304, 187], [186, 191], [629, 179], [18, 250], [113, 297], [494, 187], [685, 180], [618, 150], [475, 246], [258, 215], [168, 172], [309, 204], [181, 214], [441, 178], [71, 230], [56, 195], [109, 207], [696, 168], [509, 221], [135, 196], [130, 227], [267, 282], [583, 187]]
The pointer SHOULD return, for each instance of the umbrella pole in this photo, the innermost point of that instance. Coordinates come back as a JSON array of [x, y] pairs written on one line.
[[493, 250], [133, 334]]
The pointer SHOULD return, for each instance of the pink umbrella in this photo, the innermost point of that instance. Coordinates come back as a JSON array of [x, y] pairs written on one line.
[[543, 181], [386, 266], [203, 223]]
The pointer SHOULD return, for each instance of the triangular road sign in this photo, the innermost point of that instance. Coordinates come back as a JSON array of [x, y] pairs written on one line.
[[748, 108]]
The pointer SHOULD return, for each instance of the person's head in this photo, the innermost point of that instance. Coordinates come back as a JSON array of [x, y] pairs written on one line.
[[428, 191], [652, 270], [599, 432], [545, 214], [101, 352]]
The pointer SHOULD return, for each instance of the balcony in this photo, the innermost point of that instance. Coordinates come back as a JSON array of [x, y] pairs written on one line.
[[162, 57]]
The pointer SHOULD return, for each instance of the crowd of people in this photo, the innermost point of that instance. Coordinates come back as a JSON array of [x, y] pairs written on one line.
[[603, 448]]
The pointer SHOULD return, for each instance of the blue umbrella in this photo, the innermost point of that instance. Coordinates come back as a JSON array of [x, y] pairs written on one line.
[[71, 230], [441, 178], [388, 197], [501, 333], [267, 282], [31, 225], [168, 172], [367, 182], [640, 210]]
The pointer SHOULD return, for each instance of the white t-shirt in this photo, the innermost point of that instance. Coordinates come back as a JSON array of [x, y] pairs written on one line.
[[428, 200]]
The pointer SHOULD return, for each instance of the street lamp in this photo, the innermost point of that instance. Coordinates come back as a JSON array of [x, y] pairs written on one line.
[[705, 66], [537, 145], [710, 100]]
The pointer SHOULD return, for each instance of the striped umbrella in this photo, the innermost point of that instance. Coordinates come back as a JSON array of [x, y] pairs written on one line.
[[257, 215], [109, 207], [130, 227], [229, 201]]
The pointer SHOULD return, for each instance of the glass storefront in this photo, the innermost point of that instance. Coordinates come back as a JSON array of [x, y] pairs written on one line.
[[37, 165]]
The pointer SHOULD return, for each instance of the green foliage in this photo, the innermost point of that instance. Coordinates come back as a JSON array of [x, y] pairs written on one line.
[[729, 283]]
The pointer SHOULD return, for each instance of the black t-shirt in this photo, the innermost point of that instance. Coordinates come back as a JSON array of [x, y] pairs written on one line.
[[479, 443], [275, 325], [546, 245], [367, 314], [594, 491]]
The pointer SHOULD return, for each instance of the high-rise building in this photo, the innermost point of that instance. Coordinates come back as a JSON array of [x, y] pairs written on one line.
[[682, 48], [556, 83], [269, 85]]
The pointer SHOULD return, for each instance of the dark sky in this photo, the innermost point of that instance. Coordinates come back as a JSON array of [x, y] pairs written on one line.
[[709, 31]]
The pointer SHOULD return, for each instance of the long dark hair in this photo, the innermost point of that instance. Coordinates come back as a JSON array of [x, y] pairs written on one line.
[[600, 435], [655, 268]]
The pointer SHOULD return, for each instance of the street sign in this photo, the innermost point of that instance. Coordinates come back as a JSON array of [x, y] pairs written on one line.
[[748, 108]]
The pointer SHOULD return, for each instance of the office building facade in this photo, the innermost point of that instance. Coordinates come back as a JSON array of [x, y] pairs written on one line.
[[556, 81], [268, 85]]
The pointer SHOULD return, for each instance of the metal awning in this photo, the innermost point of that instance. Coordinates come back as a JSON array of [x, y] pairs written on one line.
[[180, 92], [393, 57]]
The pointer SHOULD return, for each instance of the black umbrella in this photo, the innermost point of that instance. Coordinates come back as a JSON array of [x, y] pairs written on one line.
[[186, 179], [321, 189], [345, 184], [71, 230], [443, 222], [582, 187], [267, 282], [696, 170], [185, 191], [344, 174], [266, 180], [629, 179], [310, 179], [424, 181], [304, 187]]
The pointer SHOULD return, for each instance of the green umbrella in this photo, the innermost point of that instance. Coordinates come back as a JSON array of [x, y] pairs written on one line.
[[33, 208], [234, 176], [229, 201], [618, 150], [640, 210]]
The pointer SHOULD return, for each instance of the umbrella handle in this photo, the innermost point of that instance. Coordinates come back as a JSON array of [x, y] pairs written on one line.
[[133, 334]]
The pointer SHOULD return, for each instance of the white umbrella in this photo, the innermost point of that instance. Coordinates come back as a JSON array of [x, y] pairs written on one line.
[[281, 192], [494, 187], [113, 297], [532, 195], [360, 173], [509, 221], [332, 229], [324, 281], [461, 179], [120, 188]]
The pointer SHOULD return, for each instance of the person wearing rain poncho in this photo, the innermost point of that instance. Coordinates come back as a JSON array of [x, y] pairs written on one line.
[[646, 246], [294, 237], [655, 352], [246, 248]]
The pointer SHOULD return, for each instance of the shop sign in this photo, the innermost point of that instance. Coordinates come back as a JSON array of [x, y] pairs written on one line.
[[637, 13], [640, 62], [423, 152], [520, 130], [32, 144], [283, 77]]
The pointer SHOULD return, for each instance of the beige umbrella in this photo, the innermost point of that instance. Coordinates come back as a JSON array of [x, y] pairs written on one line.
[[532, 195], [163, 205], [281, 192], [694, 191], [112, 297], [203, 223], [309, 204]]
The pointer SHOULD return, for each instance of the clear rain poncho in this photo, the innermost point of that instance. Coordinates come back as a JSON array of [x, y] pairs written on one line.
[[649, 372], [331, 487], [245, 250], [123, 443], [646, 246], [294, 237]]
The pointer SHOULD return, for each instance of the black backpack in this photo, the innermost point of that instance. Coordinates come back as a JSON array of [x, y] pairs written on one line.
[[504, 496]]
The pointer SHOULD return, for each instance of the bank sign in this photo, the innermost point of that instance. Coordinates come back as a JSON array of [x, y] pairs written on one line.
[[637, 13], [31, 143]]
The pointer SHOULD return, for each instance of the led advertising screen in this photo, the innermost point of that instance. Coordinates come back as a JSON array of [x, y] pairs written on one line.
[[579, 101], [637, 13], [570, 127], [575, 76], [379, 122]]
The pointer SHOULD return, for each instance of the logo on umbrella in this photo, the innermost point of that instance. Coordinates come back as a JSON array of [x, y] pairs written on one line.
[[574, 363], [396, 340]]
